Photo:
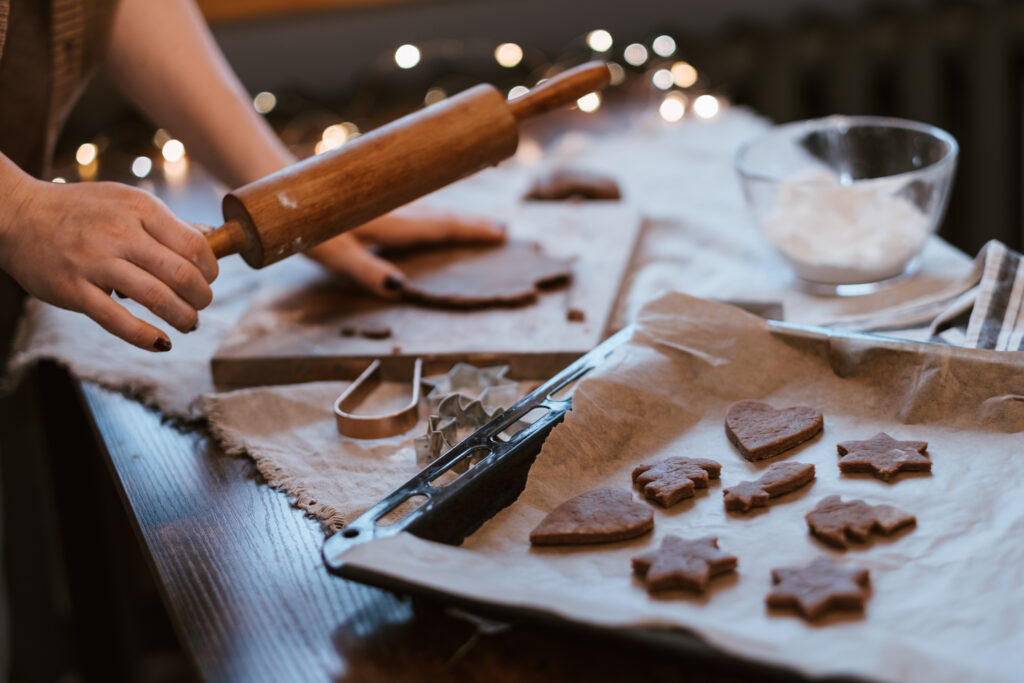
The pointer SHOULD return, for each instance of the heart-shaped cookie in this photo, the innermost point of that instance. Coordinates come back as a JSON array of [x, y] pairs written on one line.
[[598, 516], [760, 431]]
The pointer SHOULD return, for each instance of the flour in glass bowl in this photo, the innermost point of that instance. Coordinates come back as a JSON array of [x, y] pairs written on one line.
[[838, 233]]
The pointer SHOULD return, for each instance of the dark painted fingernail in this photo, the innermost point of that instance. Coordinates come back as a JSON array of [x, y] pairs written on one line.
[[392, 283], [195, 327], [119, 294], [162, 344]]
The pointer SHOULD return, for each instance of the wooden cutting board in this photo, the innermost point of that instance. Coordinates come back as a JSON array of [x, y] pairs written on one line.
[[293, 330]]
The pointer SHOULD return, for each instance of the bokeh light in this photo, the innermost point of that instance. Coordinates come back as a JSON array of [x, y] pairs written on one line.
[[617, 72], [672, 107], [434, 95], [664, 46], [635, 54], [599, 40], [86, 153], [141, 167], [517, 91], [684, 74], [705, 106], [160, 138], [407, 56], [264, 102], [173, 150], [589, 102], [662, 79], [508, 55]]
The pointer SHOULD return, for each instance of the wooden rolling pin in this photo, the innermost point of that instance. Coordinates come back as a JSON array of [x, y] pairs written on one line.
[[313, 200]]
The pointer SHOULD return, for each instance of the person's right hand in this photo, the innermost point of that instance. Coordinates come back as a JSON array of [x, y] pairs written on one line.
[[72, 245]]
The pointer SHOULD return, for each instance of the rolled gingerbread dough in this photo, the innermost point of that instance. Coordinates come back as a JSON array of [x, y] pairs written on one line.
[[509, 274]]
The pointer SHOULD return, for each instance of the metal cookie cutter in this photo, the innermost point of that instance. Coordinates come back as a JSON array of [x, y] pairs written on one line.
[[456, 418], [376, 426], [488, 385]]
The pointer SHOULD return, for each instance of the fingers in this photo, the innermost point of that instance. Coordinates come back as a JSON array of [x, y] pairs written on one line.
[[421, 225], [346, 255], [151, 292], [181, 238], [184, 278], [114, 318]]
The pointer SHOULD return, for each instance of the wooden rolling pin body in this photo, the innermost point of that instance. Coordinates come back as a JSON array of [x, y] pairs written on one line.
[[316, 199]]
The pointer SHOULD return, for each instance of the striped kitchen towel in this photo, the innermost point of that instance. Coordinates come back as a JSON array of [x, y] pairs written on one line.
[[990, 315]]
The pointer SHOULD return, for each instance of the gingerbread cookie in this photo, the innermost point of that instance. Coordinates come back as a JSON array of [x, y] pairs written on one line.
[[760, 431], [780, 478], [598, 516], [679, 563], [883, 456], [836, 522], [574, 183], [819, 587], [669, 481]]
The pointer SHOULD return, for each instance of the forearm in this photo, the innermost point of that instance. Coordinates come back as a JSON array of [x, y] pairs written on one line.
[[163, 58], [14, 184]]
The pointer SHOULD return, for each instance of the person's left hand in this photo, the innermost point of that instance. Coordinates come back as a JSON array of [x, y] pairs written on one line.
[[410, 226]]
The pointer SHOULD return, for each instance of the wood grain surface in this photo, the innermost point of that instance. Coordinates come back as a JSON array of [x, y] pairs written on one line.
[[293, 333], [242, 578]]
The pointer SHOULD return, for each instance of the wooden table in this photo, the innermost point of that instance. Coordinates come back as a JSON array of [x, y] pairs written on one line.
[[240, 572], [242, 579]]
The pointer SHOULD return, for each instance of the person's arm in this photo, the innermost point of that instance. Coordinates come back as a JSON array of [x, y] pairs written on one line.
[[164, 59], [72, 245]]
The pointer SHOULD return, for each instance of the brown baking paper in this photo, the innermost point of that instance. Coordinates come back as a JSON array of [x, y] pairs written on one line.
[[947, 596]]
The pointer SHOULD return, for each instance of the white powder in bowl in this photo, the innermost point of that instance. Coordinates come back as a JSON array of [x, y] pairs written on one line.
[[838, 233]]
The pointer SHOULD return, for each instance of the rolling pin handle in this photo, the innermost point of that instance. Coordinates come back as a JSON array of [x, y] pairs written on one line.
[[563, 89], [228, 239]]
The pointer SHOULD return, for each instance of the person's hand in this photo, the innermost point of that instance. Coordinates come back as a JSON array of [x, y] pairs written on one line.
[[409, 226], [72, 245]]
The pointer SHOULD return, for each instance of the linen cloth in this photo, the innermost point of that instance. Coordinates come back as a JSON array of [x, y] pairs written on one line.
[[698, 239]]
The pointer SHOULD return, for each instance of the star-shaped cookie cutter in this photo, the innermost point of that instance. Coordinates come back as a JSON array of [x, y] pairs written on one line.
[[456, 417], [488, 385]]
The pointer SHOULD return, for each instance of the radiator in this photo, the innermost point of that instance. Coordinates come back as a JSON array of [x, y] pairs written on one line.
[[956, 66]]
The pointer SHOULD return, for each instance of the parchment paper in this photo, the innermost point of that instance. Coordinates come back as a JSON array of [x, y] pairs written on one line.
[[947, 600]]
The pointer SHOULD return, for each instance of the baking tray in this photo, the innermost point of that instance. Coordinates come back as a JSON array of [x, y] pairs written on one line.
[[446, 502]]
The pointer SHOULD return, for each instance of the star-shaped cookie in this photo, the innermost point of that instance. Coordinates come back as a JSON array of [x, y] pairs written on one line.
[[820, 586], [669, 481], [883, 456], [681, 563]]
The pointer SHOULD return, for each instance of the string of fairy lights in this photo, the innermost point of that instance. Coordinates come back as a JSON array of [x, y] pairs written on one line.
[[674, 87]]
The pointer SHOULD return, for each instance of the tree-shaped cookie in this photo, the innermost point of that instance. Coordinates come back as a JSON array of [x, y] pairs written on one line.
[[598, 516], [818, 587], [780, 478], [836, 522], [681, 563], [883, 456], [669, 481]]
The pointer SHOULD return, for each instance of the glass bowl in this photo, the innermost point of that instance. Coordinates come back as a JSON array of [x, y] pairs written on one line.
[[848, 201]]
